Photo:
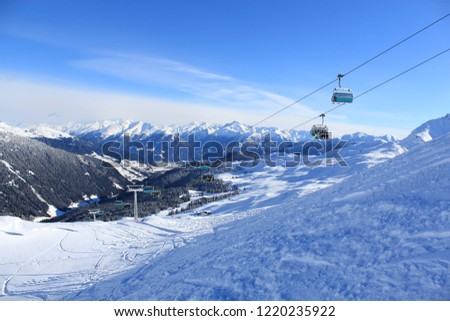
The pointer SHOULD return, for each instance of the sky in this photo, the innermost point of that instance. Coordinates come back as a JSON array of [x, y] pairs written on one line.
[[176, 61]]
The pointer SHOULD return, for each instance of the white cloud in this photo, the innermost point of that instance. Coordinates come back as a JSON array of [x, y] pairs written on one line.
[[182, 77], [34, 101]]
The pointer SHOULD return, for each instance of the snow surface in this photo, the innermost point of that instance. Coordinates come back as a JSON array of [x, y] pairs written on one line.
[[432, 129], [379, 235], [34, 131], [129, 172], [50, 261], [378, 229]]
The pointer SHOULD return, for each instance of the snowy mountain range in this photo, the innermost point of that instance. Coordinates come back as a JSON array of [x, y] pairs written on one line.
[[35, 131], [137, 129], [377, 229], [100, 131], [84, 140]]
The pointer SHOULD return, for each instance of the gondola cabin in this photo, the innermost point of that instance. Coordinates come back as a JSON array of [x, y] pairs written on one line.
[[149, 189], [342, 95], [320, 131], [118, 203]]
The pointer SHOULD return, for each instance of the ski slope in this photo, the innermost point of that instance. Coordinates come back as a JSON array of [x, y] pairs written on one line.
[[50, 261], [382, 234], [377, 229]]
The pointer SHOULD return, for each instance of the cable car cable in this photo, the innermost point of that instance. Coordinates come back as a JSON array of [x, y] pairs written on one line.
[[293, 103], [402, 73], [396, 45], [377, 86], [352, 70]]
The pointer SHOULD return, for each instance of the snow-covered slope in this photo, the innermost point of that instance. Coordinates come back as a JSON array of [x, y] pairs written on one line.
[[8, 129], [383, 233], [51, 261], [428, 131], [37, 131], [35, 178], [376, 229], [88, 252]]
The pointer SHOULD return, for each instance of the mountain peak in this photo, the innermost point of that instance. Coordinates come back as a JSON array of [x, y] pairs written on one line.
[[34, 131], [428, 131], [237, 127]]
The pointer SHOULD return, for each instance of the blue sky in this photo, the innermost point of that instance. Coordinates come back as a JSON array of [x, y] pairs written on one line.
[[171, 61]]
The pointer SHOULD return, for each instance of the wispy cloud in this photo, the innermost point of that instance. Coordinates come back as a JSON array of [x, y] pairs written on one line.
[[45, 100], [182, 77], [145, 68], [225, 98]]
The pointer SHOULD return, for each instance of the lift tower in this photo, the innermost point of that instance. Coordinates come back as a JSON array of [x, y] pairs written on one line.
[[135, 189]]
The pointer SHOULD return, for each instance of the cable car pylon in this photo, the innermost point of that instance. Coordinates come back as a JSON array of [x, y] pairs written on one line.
[[135, 189]]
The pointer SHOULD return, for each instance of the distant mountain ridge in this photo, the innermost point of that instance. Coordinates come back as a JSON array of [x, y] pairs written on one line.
[[113, 129], [138, 130], [100, 132], [428, 131], [84, 137], [35, 131], [43, 166]]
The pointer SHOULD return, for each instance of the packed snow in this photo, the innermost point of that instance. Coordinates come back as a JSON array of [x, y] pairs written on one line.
[[432, 129], [382, 234]]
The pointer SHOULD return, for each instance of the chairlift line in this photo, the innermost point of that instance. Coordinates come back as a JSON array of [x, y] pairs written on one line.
[[403, 72], [397, 44], [293, 103], [350, 71], [377, 86]]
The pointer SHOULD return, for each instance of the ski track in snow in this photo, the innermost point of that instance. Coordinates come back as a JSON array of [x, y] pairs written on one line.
[[89, 252], [381, 234], [292, 233]]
